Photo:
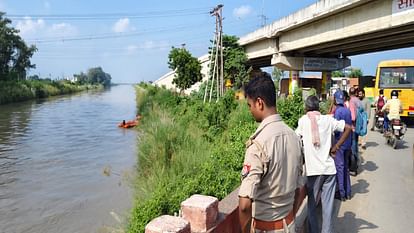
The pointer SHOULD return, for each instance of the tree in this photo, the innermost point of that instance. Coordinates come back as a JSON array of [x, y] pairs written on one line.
[[14, 53], [94, 75], [235, 61], [355, 73], [97, 76], [277, 74], [187, 68], [81, 78], [338, 73]]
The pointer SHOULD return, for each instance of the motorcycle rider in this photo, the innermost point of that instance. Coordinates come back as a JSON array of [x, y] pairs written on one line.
[[380, 101], [394, 108]]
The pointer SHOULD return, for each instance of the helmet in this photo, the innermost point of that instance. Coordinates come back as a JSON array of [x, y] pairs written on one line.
[[394, 93]]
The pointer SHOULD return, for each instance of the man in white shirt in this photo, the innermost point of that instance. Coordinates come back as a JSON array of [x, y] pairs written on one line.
[[316, 131]]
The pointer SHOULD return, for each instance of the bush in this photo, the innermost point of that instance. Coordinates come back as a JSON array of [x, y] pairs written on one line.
[[291, 108], [15, 91]]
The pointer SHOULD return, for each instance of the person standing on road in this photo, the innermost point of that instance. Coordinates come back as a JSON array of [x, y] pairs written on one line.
[[366, 105], [271, 167], [316, 131], [342, 155], [354, 104]]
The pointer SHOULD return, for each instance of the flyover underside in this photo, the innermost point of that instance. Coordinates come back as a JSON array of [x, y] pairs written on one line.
[[260, 62], [394, 38]]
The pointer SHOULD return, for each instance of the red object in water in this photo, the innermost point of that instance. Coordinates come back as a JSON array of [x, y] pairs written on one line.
[[128, 124]]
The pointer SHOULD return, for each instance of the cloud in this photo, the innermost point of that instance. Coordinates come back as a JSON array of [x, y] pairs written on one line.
[[123, 25], [31, 29], [242, 11], [29, 26], [62, 29], [148, 45]]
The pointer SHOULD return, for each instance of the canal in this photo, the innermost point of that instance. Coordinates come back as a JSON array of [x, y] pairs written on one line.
[[53, 154]]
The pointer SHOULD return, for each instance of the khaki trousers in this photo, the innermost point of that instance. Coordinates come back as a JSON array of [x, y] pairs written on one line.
[[286, 228]]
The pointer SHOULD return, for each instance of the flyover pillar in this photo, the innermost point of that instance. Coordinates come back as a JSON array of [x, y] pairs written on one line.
[[326, 82]]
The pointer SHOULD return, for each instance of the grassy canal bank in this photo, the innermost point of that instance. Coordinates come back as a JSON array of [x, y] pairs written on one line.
[[16, 91], [186, 147]]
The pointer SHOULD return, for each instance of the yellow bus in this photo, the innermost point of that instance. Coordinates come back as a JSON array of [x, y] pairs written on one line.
[[397, 75]]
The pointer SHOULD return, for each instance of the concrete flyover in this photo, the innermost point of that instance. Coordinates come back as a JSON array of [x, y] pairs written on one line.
[[322, 36]]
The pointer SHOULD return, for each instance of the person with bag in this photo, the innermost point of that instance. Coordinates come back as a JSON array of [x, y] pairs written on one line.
[[354, 107], [316, 131], [271, 168], [366, 105]]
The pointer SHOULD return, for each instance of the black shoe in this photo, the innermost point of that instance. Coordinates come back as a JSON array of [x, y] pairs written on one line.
[[343, 199]]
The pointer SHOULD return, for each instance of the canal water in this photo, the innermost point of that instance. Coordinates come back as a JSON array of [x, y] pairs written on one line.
[[55, 158]]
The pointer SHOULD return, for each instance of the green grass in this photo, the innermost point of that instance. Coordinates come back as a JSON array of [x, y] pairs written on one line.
[[186, 147], [15, 91]]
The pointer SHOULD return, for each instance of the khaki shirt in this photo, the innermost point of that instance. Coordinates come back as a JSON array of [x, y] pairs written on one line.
[[271, 169]]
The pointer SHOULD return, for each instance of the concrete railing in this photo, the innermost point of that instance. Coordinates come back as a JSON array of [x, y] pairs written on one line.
[[206, 214]]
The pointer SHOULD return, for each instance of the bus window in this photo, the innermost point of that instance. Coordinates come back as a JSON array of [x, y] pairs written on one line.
[[396, 77]]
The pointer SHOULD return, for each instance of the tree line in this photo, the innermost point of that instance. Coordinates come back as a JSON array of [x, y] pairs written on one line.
[[94, 75], [14, 53], [15, 59]]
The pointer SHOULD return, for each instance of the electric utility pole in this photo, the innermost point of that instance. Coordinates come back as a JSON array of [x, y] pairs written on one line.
[[263, 17], [216, 56]]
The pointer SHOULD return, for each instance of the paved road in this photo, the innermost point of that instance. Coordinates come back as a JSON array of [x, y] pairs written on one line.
[[383, 192]]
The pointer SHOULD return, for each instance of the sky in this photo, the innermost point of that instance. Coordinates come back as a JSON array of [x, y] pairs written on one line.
[[131, 39]]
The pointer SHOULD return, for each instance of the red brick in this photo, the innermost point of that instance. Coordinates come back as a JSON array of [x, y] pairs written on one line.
[[201, 211], [168, 224]]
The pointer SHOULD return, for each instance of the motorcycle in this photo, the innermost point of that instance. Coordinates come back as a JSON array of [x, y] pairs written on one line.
[[395, 133], [379, 121]]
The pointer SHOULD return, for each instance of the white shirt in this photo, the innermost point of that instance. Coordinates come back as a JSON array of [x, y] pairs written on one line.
[[317, 159]]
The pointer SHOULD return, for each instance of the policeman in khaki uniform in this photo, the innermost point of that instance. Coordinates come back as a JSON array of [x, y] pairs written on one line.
[[272, 164]]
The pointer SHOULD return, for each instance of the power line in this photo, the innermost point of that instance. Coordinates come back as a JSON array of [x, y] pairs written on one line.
[[107, 35], [111, 16], [116, 35], [96, 56]]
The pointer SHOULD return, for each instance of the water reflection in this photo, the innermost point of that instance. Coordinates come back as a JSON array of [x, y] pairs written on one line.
[[51, 158]]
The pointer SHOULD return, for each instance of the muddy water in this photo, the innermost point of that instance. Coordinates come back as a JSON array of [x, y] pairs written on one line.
[[52, 156]]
